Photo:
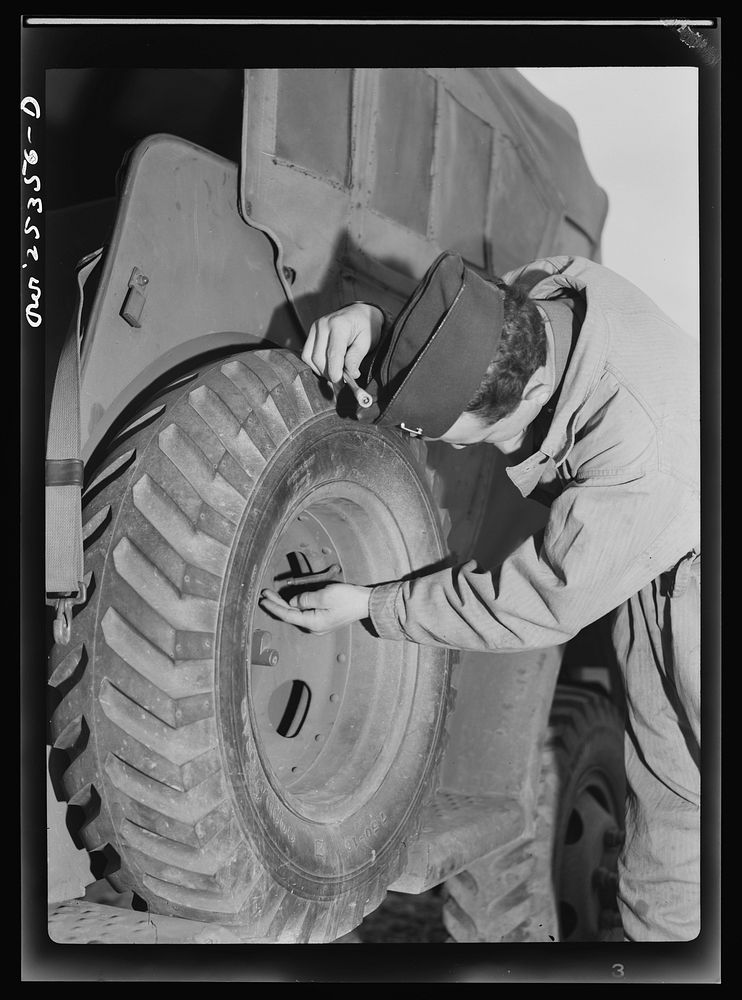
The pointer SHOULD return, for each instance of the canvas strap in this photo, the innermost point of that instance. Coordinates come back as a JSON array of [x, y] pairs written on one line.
[[64, 467]]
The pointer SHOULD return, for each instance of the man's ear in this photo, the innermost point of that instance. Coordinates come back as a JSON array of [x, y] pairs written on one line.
[[538, 388]]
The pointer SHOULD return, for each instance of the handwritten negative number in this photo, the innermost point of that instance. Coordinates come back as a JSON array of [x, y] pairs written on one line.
[[30, 106], [28, 228], [32, 311], [31, 157]]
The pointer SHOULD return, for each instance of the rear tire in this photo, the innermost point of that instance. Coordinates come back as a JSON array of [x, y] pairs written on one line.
[[275, 794], [561, 885]]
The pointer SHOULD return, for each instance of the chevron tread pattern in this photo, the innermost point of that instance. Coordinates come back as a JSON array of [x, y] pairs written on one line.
[[160, 517]]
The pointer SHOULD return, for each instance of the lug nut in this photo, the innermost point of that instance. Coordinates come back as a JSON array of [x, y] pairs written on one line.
[[261, 654]]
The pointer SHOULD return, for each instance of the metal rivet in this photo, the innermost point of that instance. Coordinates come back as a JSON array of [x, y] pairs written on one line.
[[294, 769], [333, 698], [318, 737], [260, 653], [341, 658], [326, 550]]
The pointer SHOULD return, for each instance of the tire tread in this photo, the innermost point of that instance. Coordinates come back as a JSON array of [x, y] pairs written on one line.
[[162, 507], [508, 896]]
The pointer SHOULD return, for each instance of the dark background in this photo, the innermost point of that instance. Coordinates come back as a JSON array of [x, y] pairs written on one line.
[[89, 120], [94, 115]]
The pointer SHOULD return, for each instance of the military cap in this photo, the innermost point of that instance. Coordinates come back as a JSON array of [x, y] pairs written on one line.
[[432, 362]]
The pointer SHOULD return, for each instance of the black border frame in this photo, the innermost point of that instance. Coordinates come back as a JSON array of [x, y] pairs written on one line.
[[362, 43]]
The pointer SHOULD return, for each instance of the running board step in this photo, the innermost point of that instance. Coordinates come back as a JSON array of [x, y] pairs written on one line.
[[457, 830]]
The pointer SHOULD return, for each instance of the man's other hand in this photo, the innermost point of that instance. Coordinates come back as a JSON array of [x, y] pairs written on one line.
[[320, 611], [342, 340]]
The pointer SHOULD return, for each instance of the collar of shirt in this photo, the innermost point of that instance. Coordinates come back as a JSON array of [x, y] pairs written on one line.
[[589, 351], [527, 474]]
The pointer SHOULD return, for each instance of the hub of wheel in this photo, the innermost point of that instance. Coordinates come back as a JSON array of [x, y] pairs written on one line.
[[298, 679], [316, 700]]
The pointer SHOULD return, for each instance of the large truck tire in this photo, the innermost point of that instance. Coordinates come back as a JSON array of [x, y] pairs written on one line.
[[561, 885], [228, 767]]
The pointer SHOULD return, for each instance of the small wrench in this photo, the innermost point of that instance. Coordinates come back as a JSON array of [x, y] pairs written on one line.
[[325, 576], [363, 398]]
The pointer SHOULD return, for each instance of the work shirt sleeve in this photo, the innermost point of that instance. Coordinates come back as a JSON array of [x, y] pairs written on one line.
[[602, 544]]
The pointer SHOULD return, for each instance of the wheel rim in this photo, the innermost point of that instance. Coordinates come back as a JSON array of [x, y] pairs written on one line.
[[321, 736], [309, 672], [587, 872]]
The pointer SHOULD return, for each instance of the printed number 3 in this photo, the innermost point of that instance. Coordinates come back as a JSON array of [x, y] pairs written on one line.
[[617, 971]]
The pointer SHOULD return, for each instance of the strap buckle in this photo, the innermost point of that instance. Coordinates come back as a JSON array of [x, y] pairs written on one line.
[[63, 605]]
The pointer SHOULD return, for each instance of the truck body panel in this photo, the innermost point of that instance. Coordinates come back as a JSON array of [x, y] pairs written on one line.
[[475, 161]]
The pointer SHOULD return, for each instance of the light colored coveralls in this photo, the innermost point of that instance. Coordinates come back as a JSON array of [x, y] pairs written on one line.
[[621, 458]]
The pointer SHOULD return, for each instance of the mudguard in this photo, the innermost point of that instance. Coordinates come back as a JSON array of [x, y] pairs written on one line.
[[182, 274]]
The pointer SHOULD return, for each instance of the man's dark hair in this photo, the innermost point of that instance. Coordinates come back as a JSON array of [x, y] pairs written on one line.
[[522, 349]]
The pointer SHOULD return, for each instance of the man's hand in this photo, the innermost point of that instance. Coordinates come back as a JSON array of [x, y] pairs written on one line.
[[342, 340], [320, 611]]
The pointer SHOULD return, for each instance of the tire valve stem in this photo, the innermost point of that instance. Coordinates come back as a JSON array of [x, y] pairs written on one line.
[[261, 654]]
